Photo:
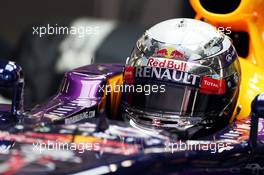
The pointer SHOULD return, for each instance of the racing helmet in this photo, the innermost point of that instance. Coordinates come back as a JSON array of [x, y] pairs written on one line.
[[182, 73]]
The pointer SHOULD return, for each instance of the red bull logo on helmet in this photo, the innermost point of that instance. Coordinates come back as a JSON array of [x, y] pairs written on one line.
[[166, 63], [170, 53]]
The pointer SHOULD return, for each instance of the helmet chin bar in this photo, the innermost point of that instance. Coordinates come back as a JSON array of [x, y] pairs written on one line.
[[191, 131], [160, 121]]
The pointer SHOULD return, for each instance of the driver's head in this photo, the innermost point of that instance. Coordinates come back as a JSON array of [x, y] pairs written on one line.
[[185, 73]]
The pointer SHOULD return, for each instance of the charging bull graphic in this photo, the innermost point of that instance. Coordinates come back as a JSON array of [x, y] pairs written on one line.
[[171, 53]]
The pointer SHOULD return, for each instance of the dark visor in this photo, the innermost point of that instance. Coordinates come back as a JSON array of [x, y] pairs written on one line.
[[177, 100]]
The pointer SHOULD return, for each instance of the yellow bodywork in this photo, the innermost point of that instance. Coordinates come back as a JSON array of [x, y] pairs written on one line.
[[247, 17], [112, 99]]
